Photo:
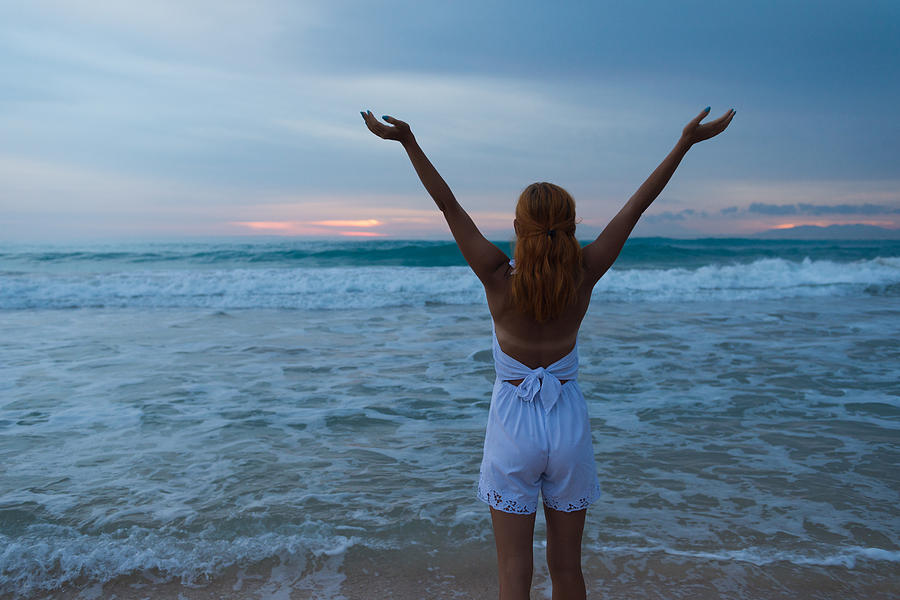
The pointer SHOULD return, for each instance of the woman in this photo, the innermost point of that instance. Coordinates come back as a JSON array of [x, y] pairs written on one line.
[[538, 438]]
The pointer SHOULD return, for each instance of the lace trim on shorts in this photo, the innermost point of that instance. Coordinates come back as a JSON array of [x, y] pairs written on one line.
[[496, 500], [579, 504]]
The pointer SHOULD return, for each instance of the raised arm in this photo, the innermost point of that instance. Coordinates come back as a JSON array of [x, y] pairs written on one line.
[[600, 254], [484, 257]]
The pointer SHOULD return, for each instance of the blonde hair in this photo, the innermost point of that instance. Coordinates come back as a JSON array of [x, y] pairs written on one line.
[[548, 267]]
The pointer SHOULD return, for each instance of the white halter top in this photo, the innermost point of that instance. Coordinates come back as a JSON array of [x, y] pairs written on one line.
[[542, 382]]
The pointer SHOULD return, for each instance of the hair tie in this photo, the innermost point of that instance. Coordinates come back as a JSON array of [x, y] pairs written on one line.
[[551, 233]]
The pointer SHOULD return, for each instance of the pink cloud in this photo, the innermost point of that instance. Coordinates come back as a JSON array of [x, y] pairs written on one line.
[[313, 227], [349, 223]]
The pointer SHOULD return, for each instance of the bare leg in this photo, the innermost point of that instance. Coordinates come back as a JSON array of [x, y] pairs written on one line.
[[564, 530], [514, 535]]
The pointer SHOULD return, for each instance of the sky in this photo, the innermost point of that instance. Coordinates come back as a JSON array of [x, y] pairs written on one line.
[[196, 118]]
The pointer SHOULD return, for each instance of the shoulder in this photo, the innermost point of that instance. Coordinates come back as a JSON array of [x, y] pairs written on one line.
[[497, 287], [501, 275]]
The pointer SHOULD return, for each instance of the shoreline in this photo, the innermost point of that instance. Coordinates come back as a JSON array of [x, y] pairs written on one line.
[[363, 574]]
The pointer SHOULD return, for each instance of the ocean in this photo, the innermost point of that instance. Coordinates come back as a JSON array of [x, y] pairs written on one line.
[[304, 419]]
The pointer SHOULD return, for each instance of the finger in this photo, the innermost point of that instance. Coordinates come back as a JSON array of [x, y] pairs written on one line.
[[374, 123], [722, 122], [395, 122], [725, 119], [696, 120], [726, 115], [374, 126], [367, 117]]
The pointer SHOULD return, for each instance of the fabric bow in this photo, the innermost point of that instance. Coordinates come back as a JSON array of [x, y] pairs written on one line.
[[543, 382]]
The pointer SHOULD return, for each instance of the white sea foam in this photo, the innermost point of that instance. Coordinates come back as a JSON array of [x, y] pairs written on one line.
[[373, 287], [844, 557], [49, 557], [769, 278]]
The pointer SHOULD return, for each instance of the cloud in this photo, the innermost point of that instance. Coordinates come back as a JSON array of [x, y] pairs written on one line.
[[349, 223], [334, 129], [201, 27], [680, 215], [759, 216], [311, 228], [501, 111], [847, 209], [30, 185], [802, 208], [772, 209], [825, 192]]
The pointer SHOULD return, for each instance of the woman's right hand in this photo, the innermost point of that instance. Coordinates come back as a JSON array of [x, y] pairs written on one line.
[[694, 132], [400, 130]]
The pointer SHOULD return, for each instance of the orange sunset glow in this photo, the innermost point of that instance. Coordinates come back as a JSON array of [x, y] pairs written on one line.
[[313, 227], [266, 225]]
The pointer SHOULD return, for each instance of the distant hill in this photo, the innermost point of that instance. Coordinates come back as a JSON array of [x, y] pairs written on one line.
[[832, 232]]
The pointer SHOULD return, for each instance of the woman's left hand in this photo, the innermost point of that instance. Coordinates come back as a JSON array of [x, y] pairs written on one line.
[[694, 132], [397, 130]]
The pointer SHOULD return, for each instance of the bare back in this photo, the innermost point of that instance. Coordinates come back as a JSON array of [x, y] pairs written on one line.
[[520, 336]]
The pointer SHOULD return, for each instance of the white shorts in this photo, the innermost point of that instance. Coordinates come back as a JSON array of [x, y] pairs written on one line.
[[529, 452]]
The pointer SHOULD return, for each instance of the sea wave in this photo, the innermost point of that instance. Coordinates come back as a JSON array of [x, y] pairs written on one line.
[[327, 288], [768, 278], [192, 255], [381, 286], [50, 557], [637, 253]]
